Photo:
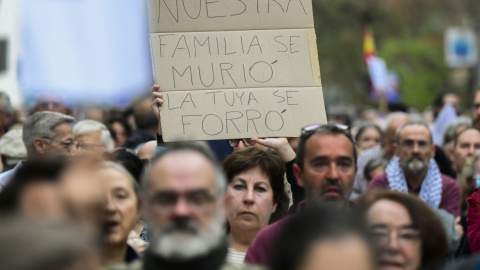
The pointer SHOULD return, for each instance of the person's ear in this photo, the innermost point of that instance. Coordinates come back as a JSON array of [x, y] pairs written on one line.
[[274, 208], [40, 145], [396, 149], [297, 171], [434, 150]]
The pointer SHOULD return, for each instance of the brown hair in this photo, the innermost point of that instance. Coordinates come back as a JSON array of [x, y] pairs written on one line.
[[271, 165], [432, 233]]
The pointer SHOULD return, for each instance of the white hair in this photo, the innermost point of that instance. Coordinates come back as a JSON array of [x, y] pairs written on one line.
[[179, 246], [89, 126]]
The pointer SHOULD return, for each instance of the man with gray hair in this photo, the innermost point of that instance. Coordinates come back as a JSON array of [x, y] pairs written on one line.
[[93, 136], [6, 112], [386, 150], [414, 170], [183, 194], [44, 133]]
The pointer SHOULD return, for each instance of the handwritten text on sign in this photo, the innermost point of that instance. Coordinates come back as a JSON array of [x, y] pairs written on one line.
[[235, 68], [225, 15], [240, 112], [240, 59]]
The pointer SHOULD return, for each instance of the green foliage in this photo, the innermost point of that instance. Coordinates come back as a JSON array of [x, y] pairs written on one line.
[[420, 63]]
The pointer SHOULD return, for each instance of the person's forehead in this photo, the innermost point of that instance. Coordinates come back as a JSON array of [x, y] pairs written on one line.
[[115, 179], [477, 97], [389, 212], [64, 129], [91, 137], [329, 144], [417, 131], [182, 170], [469, 135]]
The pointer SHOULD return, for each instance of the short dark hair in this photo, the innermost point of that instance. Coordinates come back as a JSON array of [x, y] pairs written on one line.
[[322, 129], [128, 160], [314, 225], [432, 233], [44, 170], [270, 164]]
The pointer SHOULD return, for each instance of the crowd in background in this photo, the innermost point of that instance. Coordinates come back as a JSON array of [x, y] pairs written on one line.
[[99, 189]]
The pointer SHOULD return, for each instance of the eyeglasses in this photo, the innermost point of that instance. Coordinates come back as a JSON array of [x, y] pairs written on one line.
[[405, 237], [476, 106], [410, 144], [236, 142], [314, 127], [197, 200], [65, 144]]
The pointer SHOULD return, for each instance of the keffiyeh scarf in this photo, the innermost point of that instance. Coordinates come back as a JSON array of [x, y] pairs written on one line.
[[431, 190]]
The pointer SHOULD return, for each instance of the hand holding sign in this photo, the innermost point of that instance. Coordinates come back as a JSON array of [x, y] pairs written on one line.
[[157, 102]]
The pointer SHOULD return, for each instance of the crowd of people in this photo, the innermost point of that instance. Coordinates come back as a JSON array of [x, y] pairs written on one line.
[[102, 190]]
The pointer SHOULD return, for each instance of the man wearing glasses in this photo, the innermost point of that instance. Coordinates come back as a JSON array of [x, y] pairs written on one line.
[[44, 133], [183, 191], [325, 167], [414, 170]]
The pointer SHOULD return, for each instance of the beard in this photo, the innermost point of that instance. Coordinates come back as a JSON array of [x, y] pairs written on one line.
[[183, 239], [321, 197], [414, 165]]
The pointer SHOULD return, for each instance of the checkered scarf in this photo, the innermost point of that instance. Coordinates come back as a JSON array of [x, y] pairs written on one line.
[[431, 190]]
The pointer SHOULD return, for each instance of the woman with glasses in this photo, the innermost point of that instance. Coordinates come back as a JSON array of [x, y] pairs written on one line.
[[406, 231], [255, 196]]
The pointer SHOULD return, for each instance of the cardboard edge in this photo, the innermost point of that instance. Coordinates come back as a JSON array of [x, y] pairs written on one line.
[[312, 44], [154, 67]]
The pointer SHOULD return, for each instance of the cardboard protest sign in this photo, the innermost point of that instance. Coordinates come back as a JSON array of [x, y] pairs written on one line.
[[235, 68]]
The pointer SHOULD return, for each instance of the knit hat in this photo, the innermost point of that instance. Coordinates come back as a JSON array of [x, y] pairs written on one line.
[[12, 147]]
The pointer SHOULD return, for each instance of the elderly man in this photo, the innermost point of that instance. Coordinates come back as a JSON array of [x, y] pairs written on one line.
[[44, 133], [93, 136], [392, 123], [183, 192], [325, 167], [414, 170]]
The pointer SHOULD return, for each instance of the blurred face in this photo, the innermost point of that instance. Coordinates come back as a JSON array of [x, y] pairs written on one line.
[[121, 133], [249, 200], [42, 200], [369, 138], [396, 122], [62, 142], [415, 149], [476, 110], [331, 254], [467, 144], [398, 242], [329, 168], [91, 142], [83, 192], [121, 211], [452, 99], [184, 209]]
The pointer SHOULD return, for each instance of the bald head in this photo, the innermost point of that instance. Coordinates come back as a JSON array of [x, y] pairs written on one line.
[[147, 151], [392, 123]]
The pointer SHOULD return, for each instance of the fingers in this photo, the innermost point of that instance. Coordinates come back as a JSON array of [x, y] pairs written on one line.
[[154, 88]]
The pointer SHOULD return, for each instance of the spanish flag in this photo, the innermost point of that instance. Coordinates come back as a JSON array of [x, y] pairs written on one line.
[[368, 44]]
